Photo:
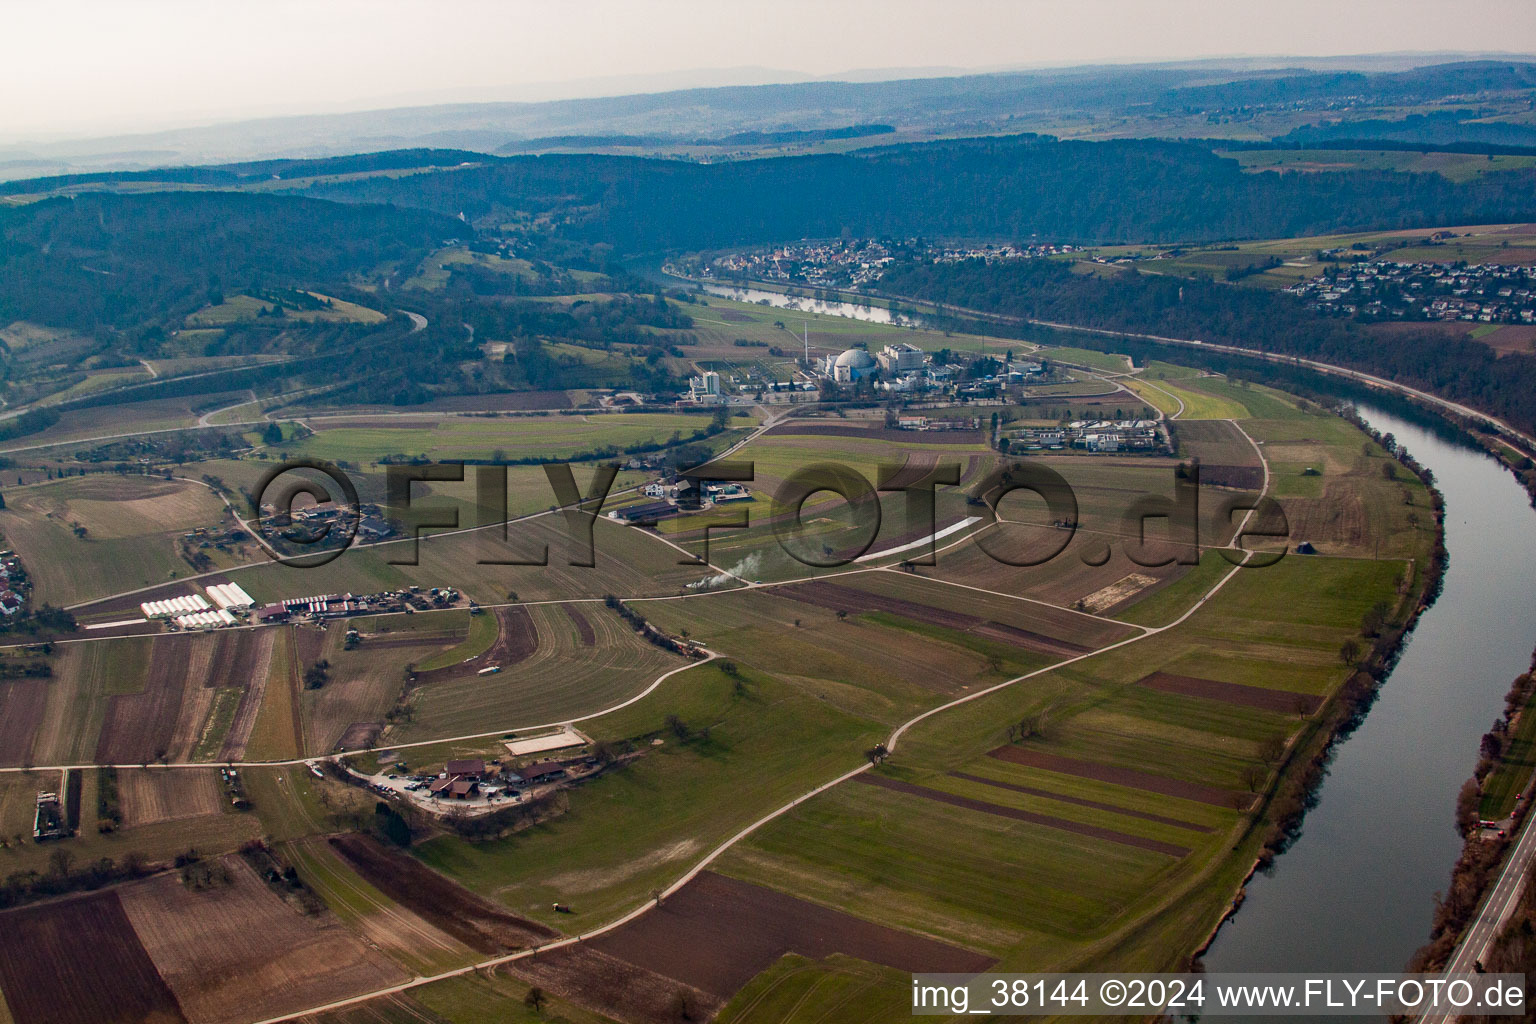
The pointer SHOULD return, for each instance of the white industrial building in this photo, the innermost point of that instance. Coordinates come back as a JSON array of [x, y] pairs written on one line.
[[901, 358], [230, 595], [855, 364], [705, 389], [206, 620], [171, 606]]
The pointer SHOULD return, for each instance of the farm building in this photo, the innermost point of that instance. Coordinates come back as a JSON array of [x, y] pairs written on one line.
[[649, 512], [458, 789], [322, 606], [542, 771], [49, 821], [230, 595], [205, 620], [467, 768], [172, 606]]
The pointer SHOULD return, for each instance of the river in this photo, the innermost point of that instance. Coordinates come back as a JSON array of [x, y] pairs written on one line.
[[796, 303], [1356, 890]]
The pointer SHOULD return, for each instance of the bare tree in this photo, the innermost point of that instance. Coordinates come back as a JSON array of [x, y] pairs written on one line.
[[59, 863], [1253, 778], [1467, 802], [1349, 651]]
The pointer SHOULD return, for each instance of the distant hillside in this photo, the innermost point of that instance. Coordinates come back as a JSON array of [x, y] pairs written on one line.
[[1442, 128], [105, 260], [1129, 190], [229, 175], [1262, 97]]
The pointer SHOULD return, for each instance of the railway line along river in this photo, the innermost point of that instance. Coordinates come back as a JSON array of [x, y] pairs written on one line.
[[1356, 890]]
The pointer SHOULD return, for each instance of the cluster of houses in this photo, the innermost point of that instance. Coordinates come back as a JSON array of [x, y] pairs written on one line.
[[1101, 436], [859, 262], [1387, 289], [368, 520], [477, 782], [829, 264], [998, 253], [673, 495], [13, 584]]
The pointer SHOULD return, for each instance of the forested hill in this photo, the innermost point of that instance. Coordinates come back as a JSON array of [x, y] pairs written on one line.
[[103, 260], [1456, 368], [231, 175], [1130, 190]]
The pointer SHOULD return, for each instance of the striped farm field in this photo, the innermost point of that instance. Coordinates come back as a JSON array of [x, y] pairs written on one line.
[[562, 678]]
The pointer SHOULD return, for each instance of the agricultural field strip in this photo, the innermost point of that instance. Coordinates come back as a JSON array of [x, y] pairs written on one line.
[[721, 849]]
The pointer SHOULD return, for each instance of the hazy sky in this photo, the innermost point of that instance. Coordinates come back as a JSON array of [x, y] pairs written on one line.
[[98, 66]]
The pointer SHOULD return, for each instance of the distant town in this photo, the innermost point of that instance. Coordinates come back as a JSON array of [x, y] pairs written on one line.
[[852, 264], [1388, 290]]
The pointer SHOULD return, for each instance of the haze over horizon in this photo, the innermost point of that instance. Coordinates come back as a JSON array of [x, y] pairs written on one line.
[[93, 68]]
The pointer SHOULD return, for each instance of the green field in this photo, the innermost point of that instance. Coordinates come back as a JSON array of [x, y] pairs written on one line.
[[481, 634], [1458, 167], [837, 988], [448, 438], [719, 321], [562, 679], [131, 524], [1513, 772], [247, 309], [1086, 357], [1200, 402]]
